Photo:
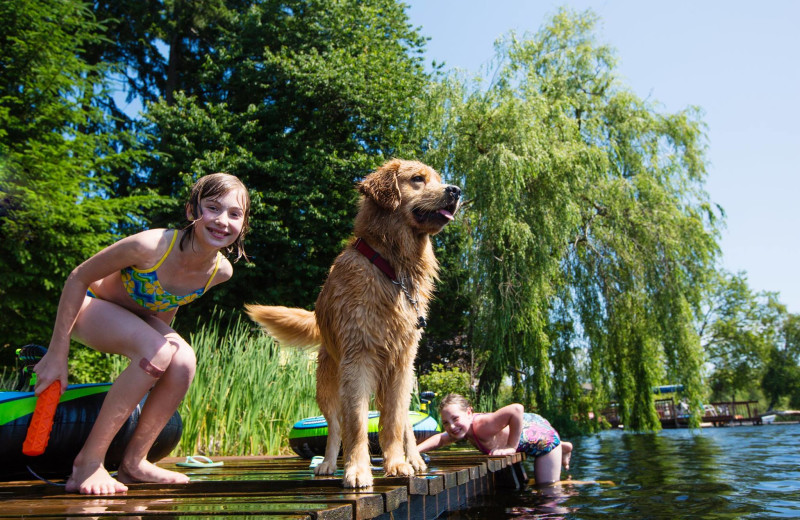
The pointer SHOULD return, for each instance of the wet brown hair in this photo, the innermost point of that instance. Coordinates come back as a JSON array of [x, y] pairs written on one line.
[[213, 185], [458, 399]]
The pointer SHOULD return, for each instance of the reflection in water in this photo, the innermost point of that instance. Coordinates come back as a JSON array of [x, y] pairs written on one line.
[[734, 472]]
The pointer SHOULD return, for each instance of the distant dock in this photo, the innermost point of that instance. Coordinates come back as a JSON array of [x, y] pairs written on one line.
[[722, 413]]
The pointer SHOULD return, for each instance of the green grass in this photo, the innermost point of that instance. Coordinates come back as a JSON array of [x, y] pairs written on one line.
[[8, 378], [247, 393]]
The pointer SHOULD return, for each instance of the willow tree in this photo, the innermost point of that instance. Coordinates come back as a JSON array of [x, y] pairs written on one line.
[[592, 231]]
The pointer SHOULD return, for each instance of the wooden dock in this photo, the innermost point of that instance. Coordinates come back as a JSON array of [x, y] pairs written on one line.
[[280, 488], [722, 413]]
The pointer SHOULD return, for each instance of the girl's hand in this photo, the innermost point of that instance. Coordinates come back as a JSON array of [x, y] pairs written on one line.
[[502, 451], [50, 368]]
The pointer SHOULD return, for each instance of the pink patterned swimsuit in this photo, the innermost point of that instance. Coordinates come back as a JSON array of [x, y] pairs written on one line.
[[538, 436]]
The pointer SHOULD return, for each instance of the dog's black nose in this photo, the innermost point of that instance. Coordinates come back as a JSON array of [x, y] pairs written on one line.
[[453, 191]]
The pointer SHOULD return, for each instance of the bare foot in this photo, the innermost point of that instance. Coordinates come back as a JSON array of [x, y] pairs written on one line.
[[566, 454], [93, 480], [146, 471]]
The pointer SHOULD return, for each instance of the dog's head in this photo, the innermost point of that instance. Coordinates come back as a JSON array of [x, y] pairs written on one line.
[[415, 191]]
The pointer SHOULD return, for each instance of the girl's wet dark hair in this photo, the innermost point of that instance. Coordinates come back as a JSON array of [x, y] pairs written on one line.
[[213, 185], [458, 399]]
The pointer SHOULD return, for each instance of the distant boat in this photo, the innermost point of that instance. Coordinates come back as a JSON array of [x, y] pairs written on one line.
[[792, 415], [667, 389]]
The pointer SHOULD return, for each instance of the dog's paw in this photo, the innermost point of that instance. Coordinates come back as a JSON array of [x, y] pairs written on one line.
[[398, 469], [418, 463], [357, 477], [326, 468]]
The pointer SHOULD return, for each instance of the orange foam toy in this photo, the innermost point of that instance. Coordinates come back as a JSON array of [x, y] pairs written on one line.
[[42, 422]]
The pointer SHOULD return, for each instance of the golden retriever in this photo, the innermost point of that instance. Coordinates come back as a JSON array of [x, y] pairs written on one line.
[[369, 317]]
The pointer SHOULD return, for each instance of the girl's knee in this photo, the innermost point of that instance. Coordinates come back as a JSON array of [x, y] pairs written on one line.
[[172, 352], [184, 361]]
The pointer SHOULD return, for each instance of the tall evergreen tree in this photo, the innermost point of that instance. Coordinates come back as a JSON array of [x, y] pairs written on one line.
[[300, 99], [57, 149]]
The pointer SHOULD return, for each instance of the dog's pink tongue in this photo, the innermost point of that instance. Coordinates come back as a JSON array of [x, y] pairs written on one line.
[[447, 214]]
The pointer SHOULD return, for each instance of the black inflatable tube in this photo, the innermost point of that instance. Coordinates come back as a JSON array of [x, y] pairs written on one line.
[[73, 421]]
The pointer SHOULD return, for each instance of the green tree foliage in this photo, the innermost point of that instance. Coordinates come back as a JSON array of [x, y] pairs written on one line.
[[161, 47], [584, 254], [738, 329], [592, 233], [163, 43], [443, 381], [781, 377], [57, 152], [445, 339], [299, 99]]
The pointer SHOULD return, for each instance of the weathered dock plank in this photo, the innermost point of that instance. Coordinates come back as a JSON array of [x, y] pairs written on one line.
[[143, 506], [279, 488]]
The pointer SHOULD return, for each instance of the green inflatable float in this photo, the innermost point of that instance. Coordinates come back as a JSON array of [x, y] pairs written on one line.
[[309, 436]]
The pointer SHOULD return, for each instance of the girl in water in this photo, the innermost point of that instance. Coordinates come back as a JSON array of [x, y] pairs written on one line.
[[503, 432]]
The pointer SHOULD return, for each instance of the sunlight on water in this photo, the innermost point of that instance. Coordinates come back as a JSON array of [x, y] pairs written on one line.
[[732, 472]]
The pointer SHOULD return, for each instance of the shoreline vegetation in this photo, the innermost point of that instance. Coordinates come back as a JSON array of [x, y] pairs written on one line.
[[248, 391]]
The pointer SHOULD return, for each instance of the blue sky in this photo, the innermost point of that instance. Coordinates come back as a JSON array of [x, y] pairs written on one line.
[[738, 61]]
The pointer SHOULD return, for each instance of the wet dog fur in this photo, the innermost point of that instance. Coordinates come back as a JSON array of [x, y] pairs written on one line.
[[365, 325]]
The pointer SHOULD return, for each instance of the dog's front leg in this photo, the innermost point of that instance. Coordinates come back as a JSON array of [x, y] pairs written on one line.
[[357, 468], [412, 453], [395, 396]]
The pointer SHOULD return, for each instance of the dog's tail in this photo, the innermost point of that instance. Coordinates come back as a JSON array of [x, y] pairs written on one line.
[[292, 327]]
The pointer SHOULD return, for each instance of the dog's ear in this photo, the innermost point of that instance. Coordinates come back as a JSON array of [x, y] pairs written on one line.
[[382, 186]]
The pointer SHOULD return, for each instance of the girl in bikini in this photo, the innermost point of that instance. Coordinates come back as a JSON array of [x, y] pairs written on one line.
[[504, 432], [121, 301]]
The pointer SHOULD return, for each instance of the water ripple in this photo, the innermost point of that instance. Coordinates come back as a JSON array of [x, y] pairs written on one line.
[[716, 473]]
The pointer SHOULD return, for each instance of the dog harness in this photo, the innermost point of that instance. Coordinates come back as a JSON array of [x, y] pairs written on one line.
[[145, 289]]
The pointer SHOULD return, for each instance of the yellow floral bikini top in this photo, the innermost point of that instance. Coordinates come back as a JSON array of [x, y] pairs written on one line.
[[145, 289]]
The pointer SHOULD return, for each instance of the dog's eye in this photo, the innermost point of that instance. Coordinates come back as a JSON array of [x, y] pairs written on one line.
[[418, 178]]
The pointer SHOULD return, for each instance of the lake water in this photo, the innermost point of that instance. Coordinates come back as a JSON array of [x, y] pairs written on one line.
[[730, 472]]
